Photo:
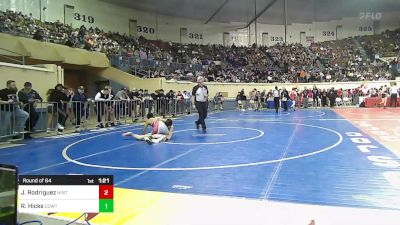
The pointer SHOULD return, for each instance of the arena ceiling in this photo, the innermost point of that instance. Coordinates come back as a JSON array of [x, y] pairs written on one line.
[[271, 11]]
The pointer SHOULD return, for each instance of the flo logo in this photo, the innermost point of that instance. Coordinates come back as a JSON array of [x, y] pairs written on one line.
[[370, 15]]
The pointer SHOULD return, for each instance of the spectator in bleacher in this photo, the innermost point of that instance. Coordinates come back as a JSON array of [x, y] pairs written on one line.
[[290, 63], [79, 101], [38, 35], [60, 99], [10, 111], [29, 99]]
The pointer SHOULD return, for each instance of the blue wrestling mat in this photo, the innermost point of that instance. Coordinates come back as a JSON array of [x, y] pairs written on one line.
[[306, 156]]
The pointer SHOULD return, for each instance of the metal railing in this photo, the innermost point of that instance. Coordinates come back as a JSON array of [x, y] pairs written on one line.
[[22, 61], [53, 117], [12, 119]]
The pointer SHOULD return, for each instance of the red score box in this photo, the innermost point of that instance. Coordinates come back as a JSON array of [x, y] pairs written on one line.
[[106, 192]]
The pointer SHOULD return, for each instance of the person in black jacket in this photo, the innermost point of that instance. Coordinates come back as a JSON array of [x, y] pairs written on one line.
[[315, 93], [285, 97], [79, 107], [59, 98], [29, 99], [332, 97], [200, 102], [170, 102], [161, 102], [324, 95], [239, 101], [304, 95]]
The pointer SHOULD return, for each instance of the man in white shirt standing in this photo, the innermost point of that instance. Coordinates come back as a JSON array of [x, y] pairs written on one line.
[[393, 95], [200, 102]]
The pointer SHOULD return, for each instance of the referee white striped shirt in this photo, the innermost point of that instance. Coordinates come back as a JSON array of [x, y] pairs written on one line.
[[201, 94]]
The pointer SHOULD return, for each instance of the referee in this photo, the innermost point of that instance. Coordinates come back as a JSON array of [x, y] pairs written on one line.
[[200, 102], [277, 96]]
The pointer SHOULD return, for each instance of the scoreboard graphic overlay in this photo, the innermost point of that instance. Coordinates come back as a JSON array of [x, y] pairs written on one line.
[[66, 193]]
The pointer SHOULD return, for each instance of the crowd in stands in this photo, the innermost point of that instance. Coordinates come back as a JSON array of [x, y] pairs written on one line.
[[320, 62], [330, 61], [386, 44], [91, 39]]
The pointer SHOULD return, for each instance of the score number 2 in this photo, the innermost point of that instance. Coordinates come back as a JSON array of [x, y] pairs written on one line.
[[106, 192]]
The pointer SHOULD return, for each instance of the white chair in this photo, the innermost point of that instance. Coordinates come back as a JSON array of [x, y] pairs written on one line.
[[338, 101], [346, 101], [310, 102]]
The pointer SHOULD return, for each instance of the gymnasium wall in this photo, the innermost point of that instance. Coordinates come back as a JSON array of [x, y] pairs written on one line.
[[95, 78], [122, 79], [42, 79], [153, 26]]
